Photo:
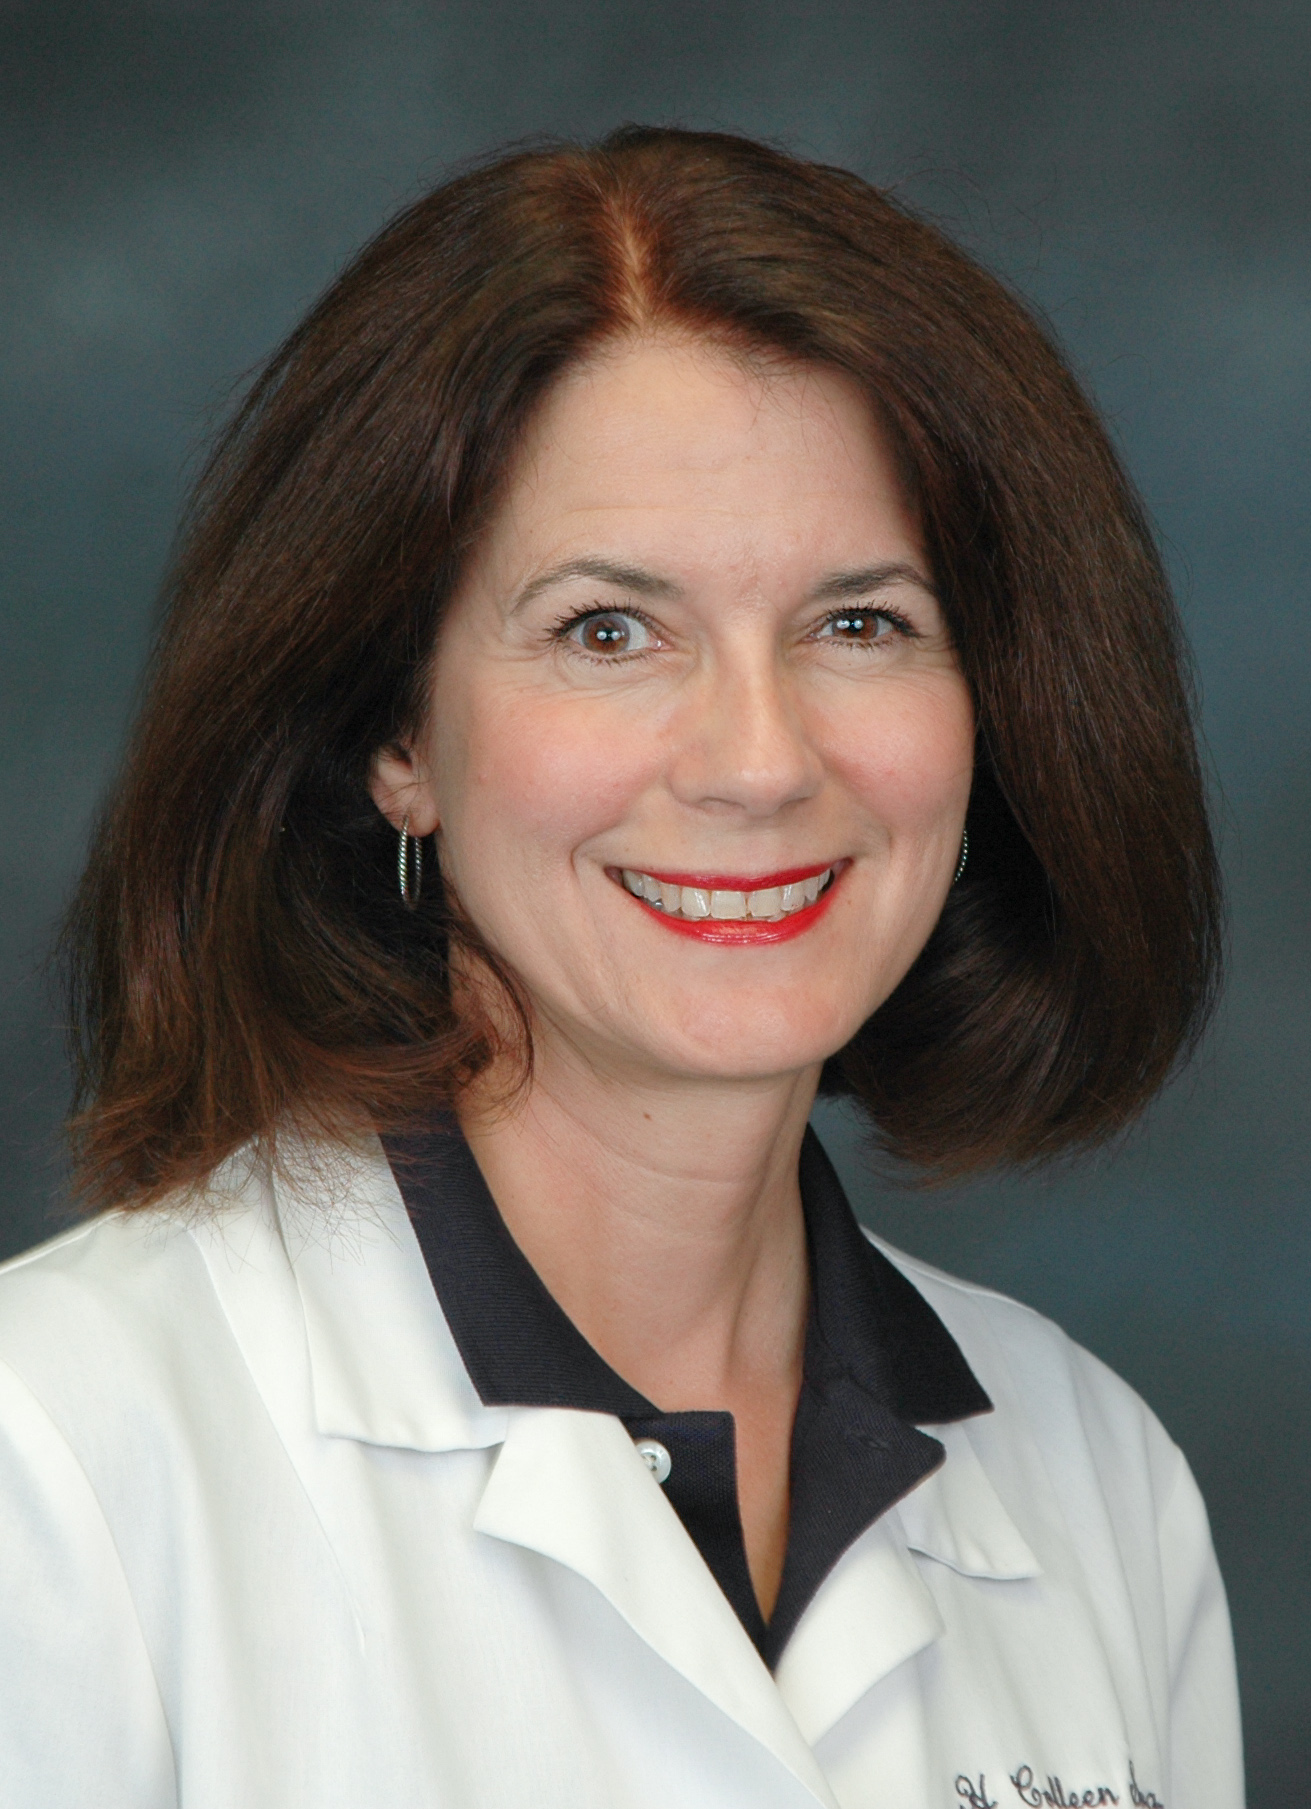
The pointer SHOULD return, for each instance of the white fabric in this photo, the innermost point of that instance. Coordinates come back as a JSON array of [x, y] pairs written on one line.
[[261, 1547]]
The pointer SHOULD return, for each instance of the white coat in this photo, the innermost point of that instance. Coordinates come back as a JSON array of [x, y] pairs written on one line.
[[262, 1547]]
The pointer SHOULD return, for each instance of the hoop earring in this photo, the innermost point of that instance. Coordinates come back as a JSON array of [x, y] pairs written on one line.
[[409, 868], [964, 855]]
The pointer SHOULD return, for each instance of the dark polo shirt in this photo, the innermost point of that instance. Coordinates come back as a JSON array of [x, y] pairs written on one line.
[[879, 1364]]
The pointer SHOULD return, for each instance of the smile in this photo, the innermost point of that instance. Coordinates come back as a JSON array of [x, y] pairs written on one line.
[[726, 908]]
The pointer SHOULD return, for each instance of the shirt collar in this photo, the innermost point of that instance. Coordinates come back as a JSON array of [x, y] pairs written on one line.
[[322, 1280], [872, 1322], [519, 1346], [521, 1349], [877, 1360], [321, 1254]]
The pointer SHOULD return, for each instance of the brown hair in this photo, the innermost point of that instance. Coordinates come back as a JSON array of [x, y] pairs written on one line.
[[239, 949]]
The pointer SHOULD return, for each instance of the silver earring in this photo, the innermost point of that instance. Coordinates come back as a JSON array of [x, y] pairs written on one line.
[[409, 867], [964, 855]]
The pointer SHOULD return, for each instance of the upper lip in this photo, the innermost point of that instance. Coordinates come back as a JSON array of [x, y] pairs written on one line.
[[740, 882]]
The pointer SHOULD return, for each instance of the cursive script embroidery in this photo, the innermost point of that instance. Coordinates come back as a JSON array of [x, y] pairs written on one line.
[[1146, 1799], [1055, 1795], [976, 1795]]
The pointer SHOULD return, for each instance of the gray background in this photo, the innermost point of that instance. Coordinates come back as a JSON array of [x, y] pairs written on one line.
[[180, 180]]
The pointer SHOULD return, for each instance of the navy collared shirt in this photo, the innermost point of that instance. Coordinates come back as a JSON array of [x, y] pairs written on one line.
[[879, 1363]]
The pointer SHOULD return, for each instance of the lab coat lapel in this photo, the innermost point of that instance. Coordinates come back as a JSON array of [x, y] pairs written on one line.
[[874, 1610], [957, 1517], [871, 1613], [385, 1368], [571, 1486]]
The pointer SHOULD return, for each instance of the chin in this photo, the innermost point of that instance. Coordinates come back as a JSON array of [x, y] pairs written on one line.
[[756, 1048]]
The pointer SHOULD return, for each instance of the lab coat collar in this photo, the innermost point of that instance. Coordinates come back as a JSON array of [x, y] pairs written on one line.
[[396, 1377], [384, 1366], [568, 1484], [957, 1518], [387, 1371], [877, 1359]]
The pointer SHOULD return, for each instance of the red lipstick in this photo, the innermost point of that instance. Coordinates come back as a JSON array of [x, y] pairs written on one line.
[[744, 932], [734, 882], [740, 931]]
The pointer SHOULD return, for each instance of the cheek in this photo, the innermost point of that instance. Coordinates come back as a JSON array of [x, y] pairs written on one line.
[[536, 772], [912, 760]]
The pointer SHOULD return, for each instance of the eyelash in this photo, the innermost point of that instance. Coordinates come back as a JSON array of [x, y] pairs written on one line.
[[901, 624], [562, 629]]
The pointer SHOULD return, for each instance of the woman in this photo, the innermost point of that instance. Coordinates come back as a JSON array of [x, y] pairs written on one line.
[[665, 635]]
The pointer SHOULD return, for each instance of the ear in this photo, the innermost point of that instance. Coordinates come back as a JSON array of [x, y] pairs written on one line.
[[399, 786]]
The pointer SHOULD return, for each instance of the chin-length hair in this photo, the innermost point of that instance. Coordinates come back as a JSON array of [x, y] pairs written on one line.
[[240, 955]]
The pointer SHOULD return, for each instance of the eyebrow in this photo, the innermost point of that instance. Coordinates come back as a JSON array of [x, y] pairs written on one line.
[[837, 586], [859, 583], [601, 571]]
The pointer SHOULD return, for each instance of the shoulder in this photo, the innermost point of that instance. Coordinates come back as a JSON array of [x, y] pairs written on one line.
[[1109, 1515], [148, 1277], [120, 1268], [1011, 1347], [1058, 1409], [182, 1321], [117, 1322]]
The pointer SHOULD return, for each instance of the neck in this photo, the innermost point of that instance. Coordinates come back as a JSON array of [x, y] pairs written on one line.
[[665, 1218]]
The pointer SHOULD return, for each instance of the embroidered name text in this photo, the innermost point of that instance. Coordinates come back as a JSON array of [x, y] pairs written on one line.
[[976, 1795], [1146, 1799], [1055, 1796]]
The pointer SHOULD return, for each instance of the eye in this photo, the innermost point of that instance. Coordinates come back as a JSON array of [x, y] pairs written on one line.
[[608, 631], [862, 627]]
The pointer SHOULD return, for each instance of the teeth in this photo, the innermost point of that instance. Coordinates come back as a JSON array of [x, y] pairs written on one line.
[[767, 905]]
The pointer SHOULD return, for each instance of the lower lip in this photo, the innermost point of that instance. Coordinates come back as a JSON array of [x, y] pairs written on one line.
[[742, 932]]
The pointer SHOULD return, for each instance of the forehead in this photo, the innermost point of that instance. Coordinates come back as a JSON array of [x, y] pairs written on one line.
[[659, 435]]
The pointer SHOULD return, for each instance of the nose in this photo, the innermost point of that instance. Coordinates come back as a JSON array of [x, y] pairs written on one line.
[[741, 744]]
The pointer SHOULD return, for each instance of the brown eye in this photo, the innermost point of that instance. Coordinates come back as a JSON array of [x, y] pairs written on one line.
[[612, 631], [859, 626], [856, 626]]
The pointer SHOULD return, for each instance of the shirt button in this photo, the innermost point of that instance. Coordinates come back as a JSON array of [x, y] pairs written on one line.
[[657, 1460]]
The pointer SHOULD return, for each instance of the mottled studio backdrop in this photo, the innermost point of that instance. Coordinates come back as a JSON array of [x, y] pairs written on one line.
[[180, 180]]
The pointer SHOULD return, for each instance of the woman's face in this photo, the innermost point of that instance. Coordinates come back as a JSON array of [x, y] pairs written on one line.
[[695, 670]]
